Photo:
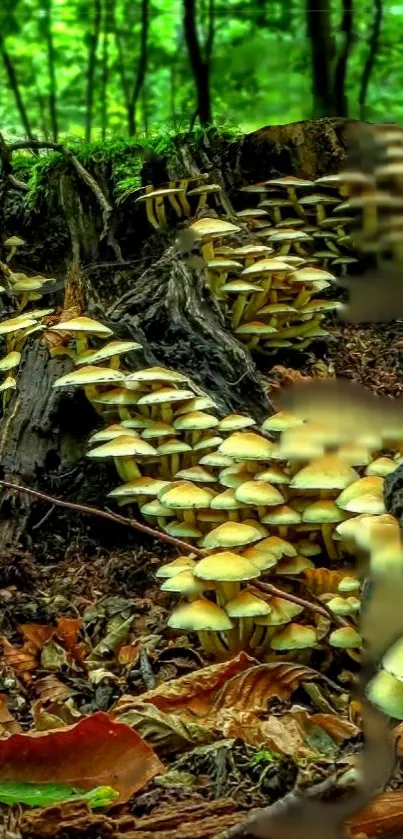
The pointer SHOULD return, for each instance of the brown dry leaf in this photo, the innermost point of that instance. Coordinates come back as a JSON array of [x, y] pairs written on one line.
[[382, 816], [51, 689], [22, 659], [129, 654], [208, 693], [192, 692], [286, 734], [96, 751], [67, 631], [8, 725], [36, 633], [43, 719]]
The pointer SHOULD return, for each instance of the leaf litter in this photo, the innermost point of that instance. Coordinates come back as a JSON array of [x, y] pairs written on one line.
[[86, 648]]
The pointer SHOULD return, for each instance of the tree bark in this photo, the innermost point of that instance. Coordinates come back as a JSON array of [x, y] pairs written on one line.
[[323, 51], [153, 296], [371, 58]]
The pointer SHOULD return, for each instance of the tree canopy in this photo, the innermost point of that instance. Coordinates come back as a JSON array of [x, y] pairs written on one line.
[[107, 68]]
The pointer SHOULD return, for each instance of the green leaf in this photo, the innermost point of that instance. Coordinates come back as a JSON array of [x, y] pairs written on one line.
[[43, 795]]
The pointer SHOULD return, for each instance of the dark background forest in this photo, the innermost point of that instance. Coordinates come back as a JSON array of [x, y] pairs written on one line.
[[105, 69]]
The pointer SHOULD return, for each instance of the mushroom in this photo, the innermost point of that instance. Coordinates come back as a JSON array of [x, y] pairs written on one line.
[[124, 450], [80, 328], [12, 244]]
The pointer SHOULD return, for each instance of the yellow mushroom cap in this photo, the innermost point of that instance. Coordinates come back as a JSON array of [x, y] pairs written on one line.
[[340, 606], [226, 501], [184, 495], [281, 612], [213, 227], [116, 396], [281, 515], [110, 432], [381, 466], [109, 350], [140, 486], [247, 605], [327, 472], [245, 445], [173, 447], [363, 496], [259, 493], [90, 376], [197, 474], [164, 395], [294, 637], [277, 546], [195, 421], [386, 693], [182, 530], [234, 422], [348, 584], [10, 361], [183, 583], [8, 384], [231, 534], [181, 563], [17, 323], [392, 661], [82, 324], [322, 512], [345, 637], [157, 374], [274, 475], [199, 616], [124, 446], [225, 567]]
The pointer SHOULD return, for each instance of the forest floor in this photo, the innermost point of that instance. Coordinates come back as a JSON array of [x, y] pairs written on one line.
[[208, 785]]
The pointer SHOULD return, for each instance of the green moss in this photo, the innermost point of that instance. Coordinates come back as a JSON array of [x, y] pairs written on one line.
[[125, 156]]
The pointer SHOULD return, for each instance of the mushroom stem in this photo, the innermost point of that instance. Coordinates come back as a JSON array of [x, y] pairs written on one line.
[[127, 468], [189, 517], [166, 413], [256, 637], [265, 644], [124, 413], [230, 590], [238, 309], [150, 213], [327, 530], [174, 465], [246, 627]]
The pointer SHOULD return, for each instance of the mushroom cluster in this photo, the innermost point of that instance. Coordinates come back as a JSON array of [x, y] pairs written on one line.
[[184, 198], [266, 264], [15, 330]]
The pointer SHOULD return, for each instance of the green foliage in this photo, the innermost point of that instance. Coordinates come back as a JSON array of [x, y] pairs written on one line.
[[260, 67]]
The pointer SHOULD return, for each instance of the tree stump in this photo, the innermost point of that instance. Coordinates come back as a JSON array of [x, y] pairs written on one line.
[[134, 280]]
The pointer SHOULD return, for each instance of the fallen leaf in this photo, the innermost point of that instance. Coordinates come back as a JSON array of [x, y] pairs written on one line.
[[36, 634], [382, 816], [67, 632], [8, 724], [51, 689], [168, 733], [292, 733], [22, 659], [96, 751]]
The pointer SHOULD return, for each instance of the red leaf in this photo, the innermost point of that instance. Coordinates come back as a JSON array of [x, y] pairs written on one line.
[[94, 752]]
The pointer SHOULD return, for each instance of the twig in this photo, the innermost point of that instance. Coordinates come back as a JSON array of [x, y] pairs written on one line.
[[94, 511], [300, 601]]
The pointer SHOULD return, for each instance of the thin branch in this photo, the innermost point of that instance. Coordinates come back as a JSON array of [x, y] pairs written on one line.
[[300, 601], [371, 58], [106, 514]]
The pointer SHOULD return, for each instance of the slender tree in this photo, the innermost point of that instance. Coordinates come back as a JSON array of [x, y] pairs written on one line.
[[340, 71], [46, 29], [91, 66], [14, 86], [199, 57], [141, 68], [108, 29], [371, 58], [323, 52]]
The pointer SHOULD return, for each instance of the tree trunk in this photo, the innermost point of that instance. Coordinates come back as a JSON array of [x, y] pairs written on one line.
[[153, 296], [199, 64], [92, 60]]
